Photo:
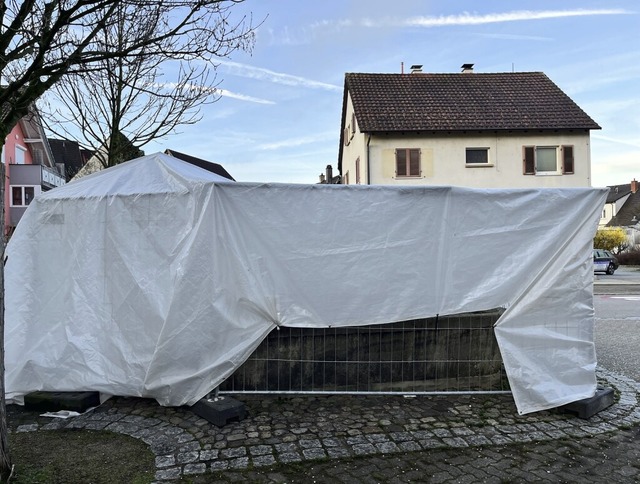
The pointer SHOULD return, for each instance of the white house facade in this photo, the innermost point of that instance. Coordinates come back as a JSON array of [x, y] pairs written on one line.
[[478, 130]]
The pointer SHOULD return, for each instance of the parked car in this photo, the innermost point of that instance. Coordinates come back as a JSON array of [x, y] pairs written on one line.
[[604, 261]]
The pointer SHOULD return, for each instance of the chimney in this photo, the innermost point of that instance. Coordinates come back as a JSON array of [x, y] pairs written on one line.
[[467, 68], [329, 174], [322, 179], [416, 68], [634, 186]]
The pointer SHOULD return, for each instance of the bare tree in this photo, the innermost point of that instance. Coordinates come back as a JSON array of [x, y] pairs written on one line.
[[143, 97], [42, 41]]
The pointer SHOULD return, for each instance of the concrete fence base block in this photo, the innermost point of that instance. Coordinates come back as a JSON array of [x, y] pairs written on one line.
[[55, 401], [588, 407], [219, 411]]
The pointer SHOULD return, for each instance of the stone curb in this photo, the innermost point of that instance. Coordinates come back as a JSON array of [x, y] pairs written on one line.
[[254, 443]]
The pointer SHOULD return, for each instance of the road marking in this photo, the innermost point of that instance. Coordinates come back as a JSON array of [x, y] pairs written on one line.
[[627, 298]]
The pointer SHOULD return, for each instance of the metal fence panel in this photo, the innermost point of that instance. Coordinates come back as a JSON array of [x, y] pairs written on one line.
[[452, 354]]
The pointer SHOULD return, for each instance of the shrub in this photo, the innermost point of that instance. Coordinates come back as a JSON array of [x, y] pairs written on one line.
[[631, 258], [613, 239]]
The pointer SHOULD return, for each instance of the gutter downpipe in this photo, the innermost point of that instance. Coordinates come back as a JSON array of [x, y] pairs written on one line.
[[368, 171]]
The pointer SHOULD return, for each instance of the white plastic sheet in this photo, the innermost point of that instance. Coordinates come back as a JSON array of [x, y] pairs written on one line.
[[157, 279]]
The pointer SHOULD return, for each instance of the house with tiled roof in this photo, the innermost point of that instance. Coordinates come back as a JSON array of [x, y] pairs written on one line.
[[515, 129], [622, 209]]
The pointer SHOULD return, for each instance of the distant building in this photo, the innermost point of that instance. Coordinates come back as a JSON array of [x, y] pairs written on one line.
[[327, 177], [70, 154], [622, 209], [207, 165], [30, 167]]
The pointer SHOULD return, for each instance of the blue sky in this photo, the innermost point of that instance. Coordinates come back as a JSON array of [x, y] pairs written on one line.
[[279, 116]]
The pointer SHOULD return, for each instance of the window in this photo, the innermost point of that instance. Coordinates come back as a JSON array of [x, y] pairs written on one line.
[[345, 178], [541, 160], [407, 162], [20, 155], [22, 196], [477, 156], [358, 171], [567, 159]]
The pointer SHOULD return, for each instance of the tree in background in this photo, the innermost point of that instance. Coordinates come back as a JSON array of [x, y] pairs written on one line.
[[146, 96], [41, 42], [613, 239]]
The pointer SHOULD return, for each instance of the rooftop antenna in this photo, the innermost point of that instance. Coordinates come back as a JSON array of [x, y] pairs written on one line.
[[513, 67]]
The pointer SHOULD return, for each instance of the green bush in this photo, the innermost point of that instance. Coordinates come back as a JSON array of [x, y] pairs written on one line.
[[631, 258]]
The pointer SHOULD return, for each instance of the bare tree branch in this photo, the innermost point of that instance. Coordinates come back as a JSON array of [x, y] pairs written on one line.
[[43, 42]]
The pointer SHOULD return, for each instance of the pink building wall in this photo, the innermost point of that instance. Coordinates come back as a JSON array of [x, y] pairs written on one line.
[[13, 140]]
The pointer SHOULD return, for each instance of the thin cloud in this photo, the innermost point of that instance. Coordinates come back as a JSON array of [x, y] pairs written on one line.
[[517, 37], [243, 97], [259, 73], [626, 142], [303, 140], [211, 90], [516, 16]]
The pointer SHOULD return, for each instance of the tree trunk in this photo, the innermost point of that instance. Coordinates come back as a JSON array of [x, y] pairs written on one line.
[[5, 458]]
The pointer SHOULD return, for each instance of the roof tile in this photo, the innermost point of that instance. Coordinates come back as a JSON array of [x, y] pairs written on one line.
[[455, 102]]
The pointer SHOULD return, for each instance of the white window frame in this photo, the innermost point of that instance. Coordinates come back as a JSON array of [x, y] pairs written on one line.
[[23, 157], [478, 165], [36, 192], [558, 168]]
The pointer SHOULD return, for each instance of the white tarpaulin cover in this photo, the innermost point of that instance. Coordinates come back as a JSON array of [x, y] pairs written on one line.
[[156, 278]]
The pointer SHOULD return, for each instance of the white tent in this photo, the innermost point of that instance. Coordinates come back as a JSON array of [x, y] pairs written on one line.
[[156, 278]]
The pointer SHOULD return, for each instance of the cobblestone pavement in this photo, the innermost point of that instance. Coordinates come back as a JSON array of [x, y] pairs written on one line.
[[328, 438]]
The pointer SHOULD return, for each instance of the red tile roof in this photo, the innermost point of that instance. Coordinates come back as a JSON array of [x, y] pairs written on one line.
[[462, 102]]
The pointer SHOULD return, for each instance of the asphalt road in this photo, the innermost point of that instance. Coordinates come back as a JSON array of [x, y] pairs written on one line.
[[617, 332]]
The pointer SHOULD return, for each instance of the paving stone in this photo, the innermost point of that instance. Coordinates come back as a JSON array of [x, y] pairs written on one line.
[[263, 460], [260, 450], [431, 443], [168, 474], [209, 454], [338, 452], [314, 453], [455, 442], [165, 461], [309, 443], [409, 446], [233, 453], [286, 447], [387, 447], [220, 465], [186, 457], [191, 469], [288, 457], [363, 449]]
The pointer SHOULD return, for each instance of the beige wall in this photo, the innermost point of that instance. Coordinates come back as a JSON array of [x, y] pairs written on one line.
[[356, 148]]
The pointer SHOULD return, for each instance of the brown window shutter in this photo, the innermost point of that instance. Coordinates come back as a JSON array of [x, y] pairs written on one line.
[[414, 162], [528, 160], [401, 162], [567, 159]]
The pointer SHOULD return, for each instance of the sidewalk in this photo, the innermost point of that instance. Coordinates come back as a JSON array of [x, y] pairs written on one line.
[[473, 438]]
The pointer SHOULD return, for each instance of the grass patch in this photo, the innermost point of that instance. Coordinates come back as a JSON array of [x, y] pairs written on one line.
[[80, 456]]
